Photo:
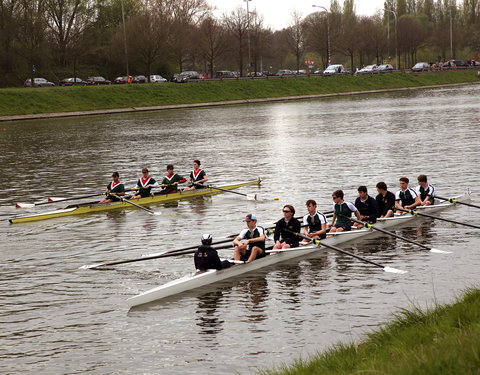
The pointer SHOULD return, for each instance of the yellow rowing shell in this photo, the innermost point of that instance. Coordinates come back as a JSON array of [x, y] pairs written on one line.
[[87, 208]]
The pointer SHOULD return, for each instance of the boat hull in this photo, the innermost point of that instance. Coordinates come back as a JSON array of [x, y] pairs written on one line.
[[88, 208], [198, 280]]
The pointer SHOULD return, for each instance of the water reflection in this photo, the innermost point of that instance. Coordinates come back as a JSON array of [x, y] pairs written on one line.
[[206, 315]]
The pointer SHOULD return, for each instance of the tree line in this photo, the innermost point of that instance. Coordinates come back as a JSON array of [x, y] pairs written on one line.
[[61, 38]]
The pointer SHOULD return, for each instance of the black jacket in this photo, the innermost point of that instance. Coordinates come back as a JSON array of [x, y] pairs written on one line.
[[280, 232], [206, 258]]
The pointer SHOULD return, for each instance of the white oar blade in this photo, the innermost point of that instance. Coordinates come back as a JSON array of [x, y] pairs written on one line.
[[394, 270], [437, 251], [252, 197], [157, 213], [56, 199], [24, 205], [88, 266]]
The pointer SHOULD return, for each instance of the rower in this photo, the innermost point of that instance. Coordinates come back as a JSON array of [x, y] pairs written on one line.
[[406, 197], [145, 185], [171, 180], [385, 200], [114, 189], [250, 243], [283, 236], [425, 191], [197, 177], [366, 205], [315, 222], [342, 211], [206, 257]]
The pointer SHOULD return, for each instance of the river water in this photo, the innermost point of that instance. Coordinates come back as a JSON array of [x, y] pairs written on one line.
[[58, 319]]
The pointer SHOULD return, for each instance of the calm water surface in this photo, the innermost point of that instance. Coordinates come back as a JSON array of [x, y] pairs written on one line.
[[58, 319]]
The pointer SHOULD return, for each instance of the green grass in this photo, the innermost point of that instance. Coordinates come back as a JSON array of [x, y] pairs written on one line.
[[22, 101], [444, 340]]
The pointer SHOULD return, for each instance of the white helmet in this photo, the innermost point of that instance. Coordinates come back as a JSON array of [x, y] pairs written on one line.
[[207, 239]]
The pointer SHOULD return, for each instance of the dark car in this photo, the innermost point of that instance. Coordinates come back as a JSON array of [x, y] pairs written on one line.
[[186, 76], [421, 67], [98, 81], [455, 64], [140, 79], [72, 82], [385, 68], [38, 82]]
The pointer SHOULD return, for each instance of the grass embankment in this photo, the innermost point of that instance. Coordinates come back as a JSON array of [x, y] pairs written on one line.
[[444, 340], [23, 101]]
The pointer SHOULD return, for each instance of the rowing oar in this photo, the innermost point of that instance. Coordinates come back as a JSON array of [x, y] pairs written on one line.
[[151, 212], [413, 212], [162, 255], [321, 243], [53, 200], [251, 197], [370, 226], [454, 201], [187, 248]]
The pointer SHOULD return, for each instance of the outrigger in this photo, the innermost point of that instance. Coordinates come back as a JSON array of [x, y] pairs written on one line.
[[90, 207], [199, 279]]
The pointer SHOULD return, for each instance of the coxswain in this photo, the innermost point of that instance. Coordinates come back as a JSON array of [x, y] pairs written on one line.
[[342, 212], [250, 243], [366, 205], [315, 222], [171, 180], [406, 197], [145, 185], [197, 177], [425, 191], [206, 257], [114, 190], [283, 236], [385, 200]]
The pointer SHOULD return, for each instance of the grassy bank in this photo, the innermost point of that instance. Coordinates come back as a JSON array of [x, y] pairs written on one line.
[[444, 340], [23, 101]]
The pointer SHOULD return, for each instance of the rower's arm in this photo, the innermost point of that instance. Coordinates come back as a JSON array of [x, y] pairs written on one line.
[[357, 214], [237, 241]]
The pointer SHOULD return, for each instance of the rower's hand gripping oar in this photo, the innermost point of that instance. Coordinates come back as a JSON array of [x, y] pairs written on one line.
[[321, 243], [454, 201], [370, 226], [161, 255], [250, 197], [414, 212]]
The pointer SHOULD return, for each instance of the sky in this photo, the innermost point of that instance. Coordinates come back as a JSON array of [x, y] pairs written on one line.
[[278, 13]]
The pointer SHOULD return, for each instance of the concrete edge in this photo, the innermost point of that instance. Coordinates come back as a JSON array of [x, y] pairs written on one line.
[[214, 104]]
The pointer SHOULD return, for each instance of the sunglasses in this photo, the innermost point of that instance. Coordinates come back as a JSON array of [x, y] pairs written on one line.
[[287, 211], [334, 197]]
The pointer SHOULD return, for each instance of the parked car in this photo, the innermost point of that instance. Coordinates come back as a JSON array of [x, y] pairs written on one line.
[[335, 69], [319, 72], [38, 82], [284, 72], [186, 76], [140, 79], [72, 82], [98, 81], [155, 78], [385, 68], [455, 64], [225, 74], [421, 67], [120, 80], [368, 69]]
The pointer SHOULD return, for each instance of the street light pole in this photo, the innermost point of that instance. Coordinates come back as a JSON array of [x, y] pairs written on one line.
[[125, 39], [396, 37], [248, 36], [329, 57]]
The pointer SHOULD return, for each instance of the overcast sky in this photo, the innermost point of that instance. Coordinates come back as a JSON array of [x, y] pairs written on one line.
[[278, 13]]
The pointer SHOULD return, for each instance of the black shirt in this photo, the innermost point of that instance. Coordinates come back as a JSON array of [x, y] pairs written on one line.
[[206, 258], [385, 203], [280, 232], [369, 208]]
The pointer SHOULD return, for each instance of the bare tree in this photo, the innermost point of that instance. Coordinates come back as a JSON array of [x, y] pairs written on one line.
[[237, 24], [8, 32], [316, 31], [212, 41], [296, 37]]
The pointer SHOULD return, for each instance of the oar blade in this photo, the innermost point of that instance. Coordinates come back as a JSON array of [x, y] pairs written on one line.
[[394, 270], [251, 197], [438, 251], [24, 205], [90, 266], [55, 199]]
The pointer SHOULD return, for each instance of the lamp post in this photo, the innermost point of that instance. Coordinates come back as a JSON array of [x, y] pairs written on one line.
[[328, 34], [248, 36], [125, 39], [396, 37]]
